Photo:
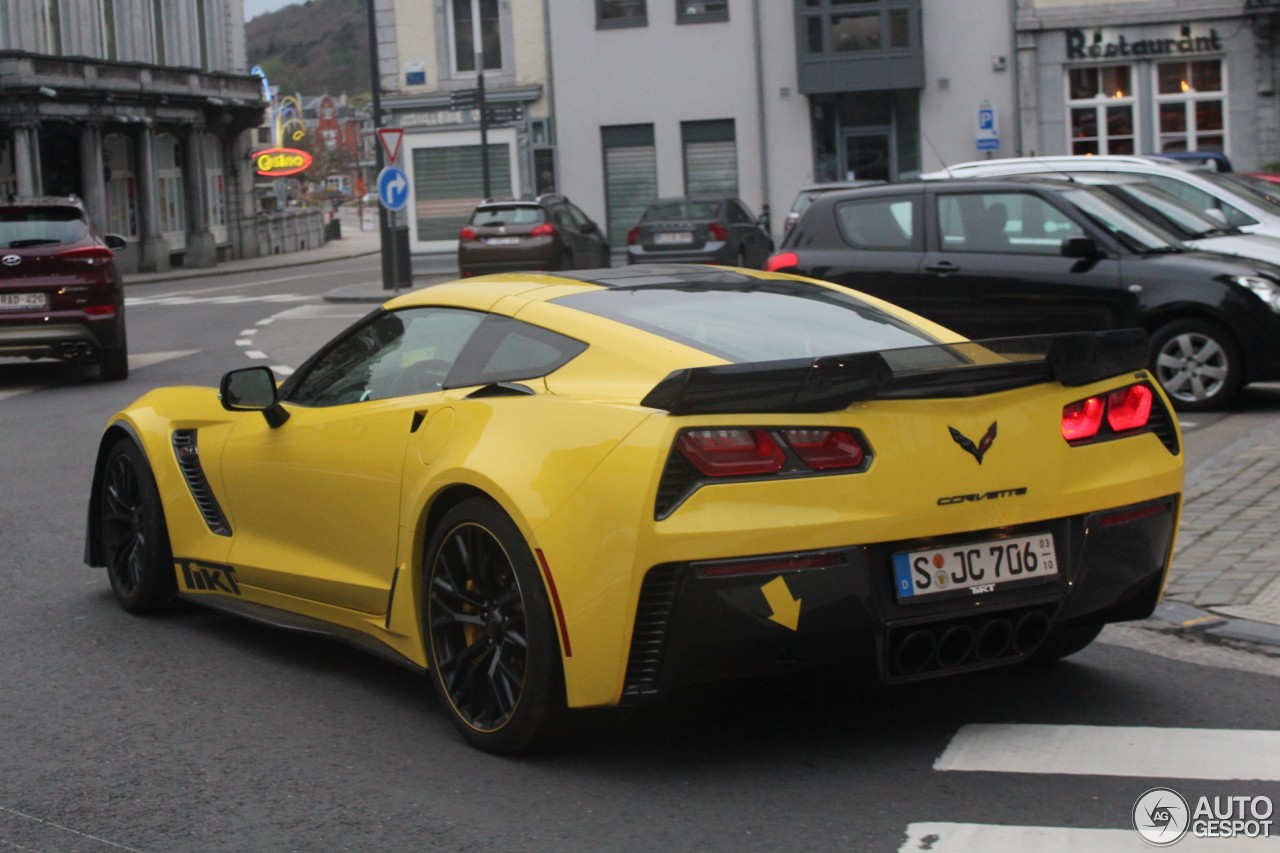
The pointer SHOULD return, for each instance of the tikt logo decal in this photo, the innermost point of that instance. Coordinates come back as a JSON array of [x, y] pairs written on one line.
[[209, 577], [976, 450]]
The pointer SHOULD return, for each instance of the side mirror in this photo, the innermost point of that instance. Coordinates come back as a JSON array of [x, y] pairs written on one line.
[[115, 242], [1080, 247], [253, 389]]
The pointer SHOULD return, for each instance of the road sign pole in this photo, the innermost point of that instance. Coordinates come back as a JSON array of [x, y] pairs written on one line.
[[384, 230], [477, 40]]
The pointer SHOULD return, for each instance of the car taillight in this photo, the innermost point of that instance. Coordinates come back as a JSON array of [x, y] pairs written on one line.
[[94, 256], [1124, 410], [100, 310], [546, 229], [1129, 408], [731, 452], [781, 261], [826, 449], [717, 232], [467, 233], [633, 235]]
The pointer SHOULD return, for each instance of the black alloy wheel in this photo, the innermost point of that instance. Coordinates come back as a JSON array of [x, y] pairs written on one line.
[[134, 536], [493, 650]]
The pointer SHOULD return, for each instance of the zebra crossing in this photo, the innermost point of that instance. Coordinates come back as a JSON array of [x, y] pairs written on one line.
[[1147, 753]]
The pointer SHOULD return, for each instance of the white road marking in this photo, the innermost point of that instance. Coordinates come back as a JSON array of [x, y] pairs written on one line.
[[988, 838], [248, 332], [282, 370], [6, 393], [253, 353], [1115, 751], [266, 322], [187, 299]]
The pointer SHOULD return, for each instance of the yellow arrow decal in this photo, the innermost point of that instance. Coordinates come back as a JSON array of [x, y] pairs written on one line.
[[786, 608]]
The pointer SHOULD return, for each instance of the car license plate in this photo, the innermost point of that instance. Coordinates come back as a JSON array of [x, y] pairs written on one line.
[[670, 237], [976, 566], [22, 301], [501, 241]]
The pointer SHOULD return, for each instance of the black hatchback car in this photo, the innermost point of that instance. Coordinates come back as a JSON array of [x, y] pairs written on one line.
[[61, 295], [994, 258], [546, 233]]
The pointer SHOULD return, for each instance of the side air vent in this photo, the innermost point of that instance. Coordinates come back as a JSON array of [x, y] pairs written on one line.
[[184, 447], [653, 616], [1161, 424]]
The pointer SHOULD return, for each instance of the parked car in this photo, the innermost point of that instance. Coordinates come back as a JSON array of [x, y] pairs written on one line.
[[991, 258], [61, 295], [704, 230], [1218, 194], [1193, 227], [547, 233], [1215, 161], [809, 193], [551, 493]]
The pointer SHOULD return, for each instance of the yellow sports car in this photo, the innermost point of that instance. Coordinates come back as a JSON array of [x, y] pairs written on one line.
[[567, 491]]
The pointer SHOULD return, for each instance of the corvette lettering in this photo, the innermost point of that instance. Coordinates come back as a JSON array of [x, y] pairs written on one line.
[[209, 577], [983, 496], [281, 162]]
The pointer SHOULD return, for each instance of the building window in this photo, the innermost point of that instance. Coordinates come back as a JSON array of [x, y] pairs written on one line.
[[621, 13], [710, 157], [110, 49], [202, 34], [1190, 106], [215, 180], [856, 25], [1100, 107], [701, 11], [49, 26], [464, 45], [173, 206], [157, 30], [121, 188], [630, 176]]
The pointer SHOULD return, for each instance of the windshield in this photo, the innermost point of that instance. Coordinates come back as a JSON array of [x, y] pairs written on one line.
[[1168, 210], [1265, 188], [664, 211], [1134, 232], [506, 215], [1242, 189]]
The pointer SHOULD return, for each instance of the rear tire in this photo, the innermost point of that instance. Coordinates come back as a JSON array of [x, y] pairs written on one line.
[[1197, 363], [491, 643], [135, 538], [113, 363]]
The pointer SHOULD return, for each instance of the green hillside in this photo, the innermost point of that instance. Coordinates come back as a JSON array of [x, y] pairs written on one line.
[[314, 47]]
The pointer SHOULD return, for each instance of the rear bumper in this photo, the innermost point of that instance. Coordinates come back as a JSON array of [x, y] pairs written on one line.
[[709, 253], [60, 338], [693, 626]]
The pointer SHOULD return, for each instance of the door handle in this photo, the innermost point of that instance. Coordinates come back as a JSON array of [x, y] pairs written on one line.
[[942, 268]]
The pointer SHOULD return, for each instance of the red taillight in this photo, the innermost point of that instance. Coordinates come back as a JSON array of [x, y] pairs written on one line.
[[546, 229], [731, 452], [94, 256], [1082, 419], [781, 261], [826, 449], [769, 565], [633, 235], [467, 233], [1129, 408], [100, 310], [717, 232]]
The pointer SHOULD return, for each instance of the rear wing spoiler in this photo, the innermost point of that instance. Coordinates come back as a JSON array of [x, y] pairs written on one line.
[[832, 383]]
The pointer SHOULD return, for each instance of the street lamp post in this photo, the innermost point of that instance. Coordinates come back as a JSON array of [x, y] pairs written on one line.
[[478, 43]]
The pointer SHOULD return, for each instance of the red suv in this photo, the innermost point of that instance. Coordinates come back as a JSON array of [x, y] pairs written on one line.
[[60, 293]]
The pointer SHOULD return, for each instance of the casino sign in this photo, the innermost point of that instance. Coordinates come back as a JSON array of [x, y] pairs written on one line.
[[281, 162]]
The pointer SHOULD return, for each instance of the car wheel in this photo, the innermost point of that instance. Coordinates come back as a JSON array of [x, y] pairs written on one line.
[[113, 363], [1067, 641], [492, 647], [135, 538], [1197, 363]]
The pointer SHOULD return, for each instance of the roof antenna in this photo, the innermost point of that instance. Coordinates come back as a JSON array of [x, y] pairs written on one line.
[[945, 167]]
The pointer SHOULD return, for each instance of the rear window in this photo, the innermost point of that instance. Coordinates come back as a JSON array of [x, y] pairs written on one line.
[[682, 210], [743, 319], [22, 228], [507, 215]]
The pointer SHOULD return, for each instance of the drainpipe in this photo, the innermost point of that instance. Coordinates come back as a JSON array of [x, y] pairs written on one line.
[[760, 118]]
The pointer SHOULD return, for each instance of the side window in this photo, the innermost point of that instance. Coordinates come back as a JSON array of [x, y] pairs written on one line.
[[886, 224], [1002, 223], [394, 354], [1201, 200], [506, 350], [564, 219], [738, 214]]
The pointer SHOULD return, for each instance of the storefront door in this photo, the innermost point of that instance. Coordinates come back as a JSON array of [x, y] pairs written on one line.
[[867, 154]]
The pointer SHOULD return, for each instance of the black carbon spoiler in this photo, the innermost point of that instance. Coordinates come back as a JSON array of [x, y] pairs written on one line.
[[834, 382]]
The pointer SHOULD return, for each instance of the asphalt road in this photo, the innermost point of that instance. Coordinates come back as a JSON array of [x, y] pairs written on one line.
[[195, 731]]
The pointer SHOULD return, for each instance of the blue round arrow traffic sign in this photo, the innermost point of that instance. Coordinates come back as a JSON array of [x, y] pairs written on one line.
[[393, 188]]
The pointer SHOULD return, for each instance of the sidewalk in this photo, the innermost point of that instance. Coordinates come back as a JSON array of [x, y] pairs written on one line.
[[1225, 580]]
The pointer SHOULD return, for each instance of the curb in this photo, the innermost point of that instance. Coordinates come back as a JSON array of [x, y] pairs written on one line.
[[1176, 617]]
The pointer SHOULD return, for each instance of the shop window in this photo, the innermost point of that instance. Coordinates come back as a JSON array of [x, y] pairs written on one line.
[[621, 13], [701, 11], [1100, 106], [215, 180], [173, 208], [121, 186], [1191, 106], [464, 45]]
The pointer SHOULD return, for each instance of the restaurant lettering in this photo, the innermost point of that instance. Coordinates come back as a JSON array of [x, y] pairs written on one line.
[[1080, 45]]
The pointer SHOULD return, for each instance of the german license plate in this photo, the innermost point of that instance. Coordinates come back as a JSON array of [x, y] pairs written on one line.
[[669, 237], [22, 301], [501, 241], [976, 566]]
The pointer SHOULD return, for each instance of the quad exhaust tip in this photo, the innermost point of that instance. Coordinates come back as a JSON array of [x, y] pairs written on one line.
[[966, 643]]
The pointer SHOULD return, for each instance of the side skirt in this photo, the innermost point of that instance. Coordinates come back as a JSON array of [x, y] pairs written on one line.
[[293, 622]]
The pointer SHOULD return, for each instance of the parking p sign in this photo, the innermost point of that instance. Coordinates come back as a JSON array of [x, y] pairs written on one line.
[[988, 128]]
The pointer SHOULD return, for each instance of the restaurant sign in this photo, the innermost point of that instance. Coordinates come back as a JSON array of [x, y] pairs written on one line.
[[281, 162]]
